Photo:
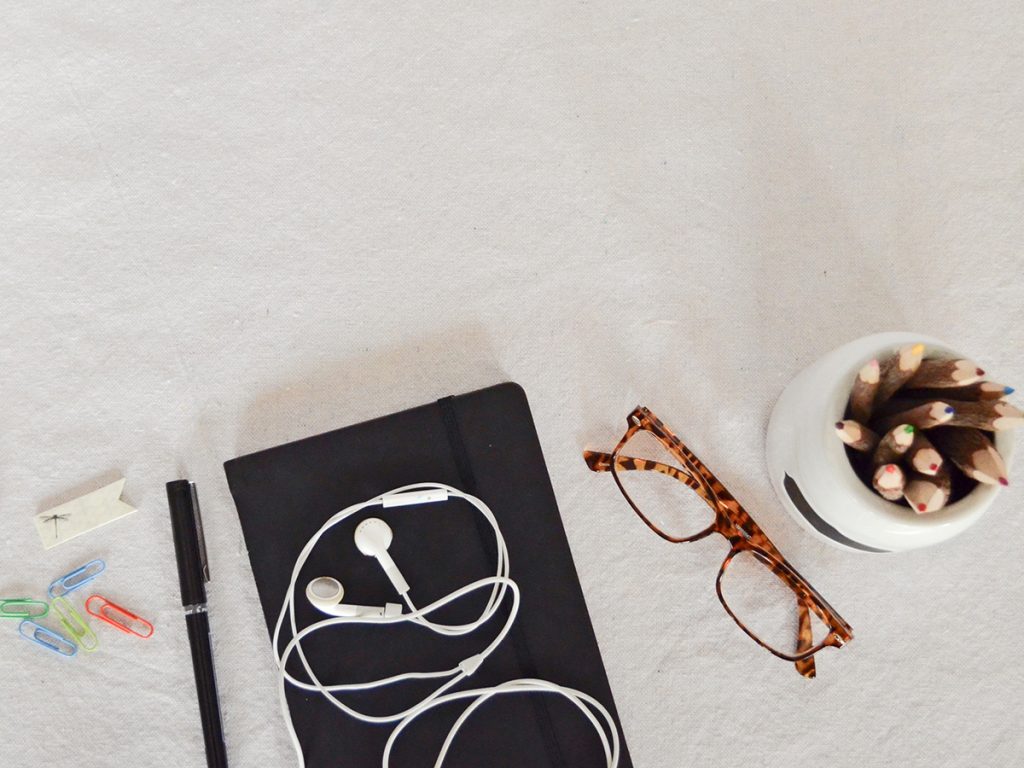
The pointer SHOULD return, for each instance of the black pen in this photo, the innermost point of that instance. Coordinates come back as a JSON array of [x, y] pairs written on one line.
[[194, 573]]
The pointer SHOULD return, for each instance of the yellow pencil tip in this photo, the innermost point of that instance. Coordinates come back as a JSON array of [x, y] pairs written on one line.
[[918, 349]]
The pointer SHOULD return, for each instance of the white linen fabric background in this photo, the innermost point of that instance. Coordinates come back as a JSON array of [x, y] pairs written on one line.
[[227, 227]]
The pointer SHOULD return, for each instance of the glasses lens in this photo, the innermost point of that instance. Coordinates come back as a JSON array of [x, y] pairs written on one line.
[[762, 602], [654, 480]]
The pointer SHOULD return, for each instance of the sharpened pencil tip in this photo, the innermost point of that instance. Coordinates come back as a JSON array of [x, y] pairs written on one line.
[[949, 409], [1008, 390], [922, 507], [909, 429], [839, 425], [933, 467], [1003, 481], [918, 349], [890, 467]]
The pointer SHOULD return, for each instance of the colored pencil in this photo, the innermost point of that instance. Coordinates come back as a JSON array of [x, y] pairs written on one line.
[[923, 416], [988, 415], [901, 402], [862, 398], [928, 494], [893, 445], [897, 370], [856, 435], [981, 390], [940, 373], [974, 453], [923, 456], [889, 481]]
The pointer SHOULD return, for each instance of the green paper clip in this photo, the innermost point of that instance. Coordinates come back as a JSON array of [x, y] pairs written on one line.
[[76, 626], [23, 608]]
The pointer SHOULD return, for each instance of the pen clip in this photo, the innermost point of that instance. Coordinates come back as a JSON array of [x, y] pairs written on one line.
[[204, 561]]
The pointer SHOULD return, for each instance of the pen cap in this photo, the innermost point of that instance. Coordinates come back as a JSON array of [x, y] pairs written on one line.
[[189, 547]]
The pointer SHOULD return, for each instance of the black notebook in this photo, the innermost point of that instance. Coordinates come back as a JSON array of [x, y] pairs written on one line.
[[484, 443]]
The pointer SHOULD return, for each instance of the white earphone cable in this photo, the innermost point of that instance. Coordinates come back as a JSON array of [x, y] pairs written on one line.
[[500, 585], [587, 704]]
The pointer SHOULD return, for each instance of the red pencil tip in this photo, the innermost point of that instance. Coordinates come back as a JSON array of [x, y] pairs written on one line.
[[981, 372], [890, 467], [922, 507], [933, 467], [1003, 481]]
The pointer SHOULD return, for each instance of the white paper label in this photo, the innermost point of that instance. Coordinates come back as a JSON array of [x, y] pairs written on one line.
[[82, 515]]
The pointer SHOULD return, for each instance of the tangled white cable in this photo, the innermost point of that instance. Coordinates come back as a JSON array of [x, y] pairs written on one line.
[[373, 538], [481, 695]]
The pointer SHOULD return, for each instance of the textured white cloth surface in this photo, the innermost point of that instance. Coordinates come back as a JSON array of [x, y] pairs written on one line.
[[223, 228]]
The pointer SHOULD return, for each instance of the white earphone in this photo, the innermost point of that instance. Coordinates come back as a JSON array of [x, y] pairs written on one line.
[[373, 537], [326, 593]]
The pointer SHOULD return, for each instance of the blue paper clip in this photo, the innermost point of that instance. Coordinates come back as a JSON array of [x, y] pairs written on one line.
[[77, 578], [46, 638], [76, 626]]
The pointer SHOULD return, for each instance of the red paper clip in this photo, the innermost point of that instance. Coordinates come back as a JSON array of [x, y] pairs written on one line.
[[118, 617]]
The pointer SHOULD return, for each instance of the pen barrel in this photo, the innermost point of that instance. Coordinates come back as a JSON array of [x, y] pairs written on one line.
[[206, 686], [188, 546]]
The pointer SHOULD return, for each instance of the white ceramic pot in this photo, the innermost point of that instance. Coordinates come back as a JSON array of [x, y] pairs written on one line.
[[812, 475]]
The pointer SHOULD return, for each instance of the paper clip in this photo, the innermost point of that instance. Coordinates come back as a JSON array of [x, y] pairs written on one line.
[[77, 578], [48, 639], [23, 609], [73, 622], [118, 617]]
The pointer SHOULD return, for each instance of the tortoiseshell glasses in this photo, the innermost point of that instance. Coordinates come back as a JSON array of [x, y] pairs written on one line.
[[762, 592]]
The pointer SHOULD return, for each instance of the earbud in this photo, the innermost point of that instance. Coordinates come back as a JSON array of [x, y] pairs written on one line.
[[373, 538], [325, 594]]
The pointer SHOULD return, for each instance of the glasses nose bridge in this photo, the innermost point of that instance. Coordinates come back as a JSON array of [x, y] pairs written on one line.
[[736, 537]]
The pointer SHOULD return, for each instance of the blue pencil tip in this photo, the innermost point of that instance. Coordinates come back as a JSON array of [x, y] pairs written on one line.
[[949, 409], [1008, 390]]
